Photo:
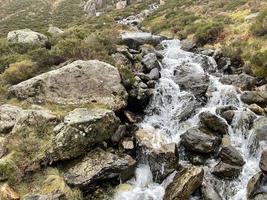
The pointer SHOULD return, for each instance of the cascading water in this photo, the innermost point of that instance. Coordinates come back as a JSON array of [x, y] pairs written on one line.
[[166, 117]]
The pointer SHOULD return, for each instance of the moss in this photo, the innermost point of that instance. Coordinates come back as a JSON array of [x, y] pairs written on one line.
[[127, 75], [259, 27]]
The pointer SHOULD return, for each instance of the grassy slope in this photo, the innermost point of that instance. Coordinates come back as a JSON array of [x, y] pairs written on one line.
[[221, 22]]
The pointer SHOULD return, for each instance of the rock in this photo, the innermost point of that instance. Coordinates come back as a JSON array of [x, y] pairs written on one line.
[[55, 31], [163, 156], [256, 188], [45, 197], [154, 74], [186, 45], [81, 128], [209, 192], [136, 39], [81, 82], [225, 170], [92, 6], [27, 36], [34, 118], [228, 116], [251, 16], [128, 144], [257, 97], [263, 161], [256, 109], [130, 116], [6, 192], [214, 123], [221, 109], [231, 155], [260, 128], [3, 148], [244, 119], [184, 184], [121, 5], [119, 134], [243, 81], [98, 166], [192, 79], [226, 141], [200, 140], [150, 61], [8, 116]]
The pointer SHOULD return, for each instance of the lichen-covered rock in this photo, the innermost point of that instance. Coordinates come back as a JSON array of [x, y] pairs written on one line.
[[200, 140], [214, 123], [243, 81], [98, 165], [184, 184], [8, 116], [81, 82], [150, 61], [81, 128], [55, 31], [27, 36]]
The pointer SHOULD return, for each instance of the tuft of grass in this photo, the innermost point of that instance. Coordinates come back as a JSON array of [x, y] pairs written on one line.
[[259, 27]]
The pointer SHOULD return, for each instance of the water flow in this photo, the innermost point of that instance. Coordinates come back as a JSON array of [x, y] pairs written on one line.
[[166, 117]]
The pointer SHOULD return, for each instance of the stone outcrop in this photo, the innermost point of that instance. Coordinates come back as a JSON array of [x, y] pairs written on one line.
[[81, 128], [81, 82], [27, 36], [99, 165]]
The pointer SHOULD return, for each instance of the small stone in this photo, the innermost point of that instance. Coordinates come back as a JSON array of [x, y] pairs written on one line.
[[256, 109]]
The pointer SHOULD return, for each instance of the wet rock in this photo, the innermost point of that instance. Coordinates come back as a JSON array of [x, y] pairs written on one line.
[[184, 184], [81, 82], [136, 39], [119, 134], [150, 61], [228, 116], [191, 79], [200, 140], [6, 192], [231, 155], [162, 156], [8, 116], [214, 123], [256, 188], [189, 105], [225, 170], [131, 117], [187, 45], [251, 97], [226, 141], [27, 36], [45, 197], [263, 162], [243, 81], [221, 109], [81, 128], [154, 74], [256, 109], [99, 165], [244, 119], [260, 127], [209, 192]]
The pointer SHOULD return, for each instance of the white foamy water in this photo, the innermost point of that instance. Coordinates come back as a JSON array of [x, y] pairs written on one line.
[[168, 102]]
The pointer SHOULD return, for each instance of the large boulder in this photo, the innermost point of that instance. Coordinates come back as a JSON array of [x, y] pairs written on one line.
[[163, 156], [225, 170], [150, 61], [99, 165], [81, 82], [214, 123], [231, 155], [243, 81], [81, 128], [200, 140], [8, 116], [135, 39], [256, 188], [27, 36], [184, 184], [251, 97]]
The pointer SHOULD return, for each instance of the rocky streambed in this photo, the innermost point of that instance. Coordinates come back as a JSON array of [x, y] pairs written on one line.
[[169, 121]]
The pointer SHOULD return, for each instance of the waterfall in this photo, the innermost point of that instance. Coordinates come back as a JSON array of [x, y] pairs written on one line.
[[167, 108]]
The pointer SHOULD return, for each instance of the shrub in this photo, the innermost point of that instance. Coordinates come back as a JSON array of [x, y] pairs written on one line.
[[233, 4], [259, 62], [208, 32], [19, 71], [6, 60], [259, 27]]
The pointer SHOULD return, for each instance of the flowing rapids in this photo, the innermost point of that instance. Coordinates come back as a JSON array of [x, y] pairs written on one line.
[[168, 102]]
